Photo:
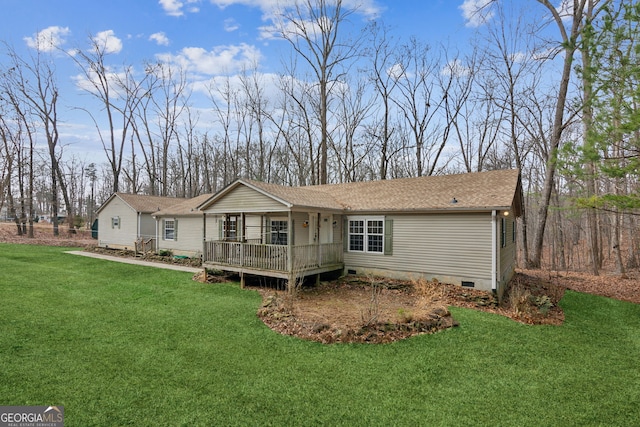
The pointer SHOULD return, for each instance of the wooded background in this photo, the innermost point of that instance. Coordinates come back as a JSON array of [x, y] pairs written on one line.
[[553, 91]]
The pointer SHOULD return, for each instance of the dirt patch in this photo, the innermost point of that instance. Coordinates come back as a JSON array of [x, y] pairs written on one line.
[[365, 310], [624, 287], [43, 235]]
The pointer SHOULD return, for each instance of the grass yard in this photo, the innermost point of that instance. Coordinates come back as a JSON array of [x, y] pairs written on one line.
[[118, 344]]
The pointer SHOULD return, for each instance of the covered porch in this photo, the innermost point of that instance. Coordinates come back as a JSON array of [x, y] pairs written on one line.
[[289, 245]]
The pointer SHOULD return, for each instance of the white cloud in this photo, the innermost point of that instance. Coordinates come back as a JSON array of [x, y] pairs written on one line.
[[396, 71], [455, 68], [107, 41], [160, 38], [220, 60], [89, 83], [476, 12], [230, 25], [175, 7], [49, 39]]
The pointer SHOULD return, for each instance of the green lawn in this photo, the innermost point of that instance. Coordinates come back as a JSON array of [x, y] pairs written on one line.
[[117, 345]]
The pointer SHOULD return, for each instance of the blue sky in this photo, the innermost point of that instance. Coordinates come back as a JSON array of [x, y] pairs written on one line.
[[209, 37]]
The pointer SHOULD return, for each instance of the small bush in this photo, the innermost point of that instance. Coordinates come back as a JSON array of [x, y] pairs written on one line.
[[165, 252]]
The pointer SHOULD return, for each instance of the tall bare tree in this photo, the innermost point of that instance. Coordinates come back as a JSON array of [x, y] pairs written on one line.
[[314, 30]]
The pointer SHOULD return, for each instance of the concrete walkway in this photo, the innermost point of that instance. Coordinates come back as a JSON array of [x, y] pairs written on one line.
[[137, 262]]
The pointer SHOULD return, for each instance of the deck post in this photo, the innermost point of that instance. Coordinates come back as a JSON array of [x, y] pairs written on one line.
[[242, 283]]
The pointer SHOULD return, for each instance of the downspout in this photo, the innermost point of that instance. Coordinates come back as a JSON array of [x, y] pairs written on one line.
[[494, 250]]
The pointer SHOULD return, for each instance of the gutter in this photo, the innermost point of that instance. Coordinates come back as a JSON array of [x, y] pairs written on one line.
[[494, 250]]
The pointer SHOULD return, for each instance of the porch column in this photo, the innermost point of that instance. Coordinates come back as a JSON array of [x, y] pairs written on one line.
[[291, 278], [204, 236]]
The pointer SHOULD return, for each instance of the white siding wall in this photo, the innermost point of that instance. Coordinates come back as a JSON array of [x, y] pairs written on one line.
[[117, 238], [449, 247], [247, 200]]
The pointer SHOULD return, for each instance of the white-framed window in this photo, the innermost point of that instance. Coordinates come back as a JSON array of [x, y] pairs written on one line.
[[169, 229], [115, 222], [279, 232], [366, 234]]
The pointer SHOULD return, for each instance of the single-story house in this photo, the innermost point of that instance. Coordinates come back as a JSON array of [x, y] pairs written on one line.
[[125, 221], [180, 227], [459, 229]]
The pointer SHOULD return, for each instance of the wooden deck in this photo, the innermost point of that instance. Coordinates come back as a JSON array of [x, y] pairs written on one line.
[[287, 262]]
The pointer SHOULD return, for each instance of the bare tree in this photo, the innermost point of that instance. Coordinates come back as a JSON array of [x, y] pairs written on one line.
[[35, 83], [381, 74], [118, 94], [313, 29]]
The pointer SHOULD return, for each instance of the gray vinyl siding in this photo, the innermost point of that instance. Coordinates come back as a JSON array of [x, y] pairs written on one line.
[[300, 233], [147, 226], [118, 237], [246, 200], [449, 247], [507, 253], [189, 232]]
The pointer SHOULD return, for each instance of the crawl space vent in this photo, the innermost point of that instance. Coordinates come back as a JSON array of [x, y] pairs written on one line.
[[468, 284]]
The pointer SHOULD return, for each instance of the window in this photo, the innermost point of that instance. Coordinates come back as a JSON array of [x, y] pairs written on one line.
[[513, 235], [366, 235], [503, 232], [169, 229], [115, 222], [279, 232], [230, 227]]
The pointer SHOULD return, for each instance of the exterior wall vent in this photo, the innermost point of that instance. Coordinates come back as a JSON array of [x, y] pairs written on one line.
[[467, 284], [351, 272]]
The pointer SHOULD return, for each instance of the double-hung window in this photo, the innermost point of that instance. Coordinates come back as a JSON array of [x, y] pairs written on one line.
[[169, 229], [366, 234]]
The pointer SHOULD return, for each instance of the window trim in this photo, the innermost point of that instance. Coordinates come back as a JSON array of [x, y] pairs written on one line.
[[279, 221], [115, 222], [173, 229], [365, 241]]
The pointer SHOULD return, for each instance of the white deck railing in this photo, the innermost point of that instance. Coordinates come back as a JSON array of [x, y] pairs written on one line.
[[272, 257]]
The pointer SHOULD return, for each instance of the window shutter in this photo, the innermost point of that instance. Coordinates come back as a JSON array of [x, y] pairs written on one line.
[[388, 237], [345, 234], [112, 226], [164, 230], [221, 228], [119, 222], [292, 233], [175, 229]]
